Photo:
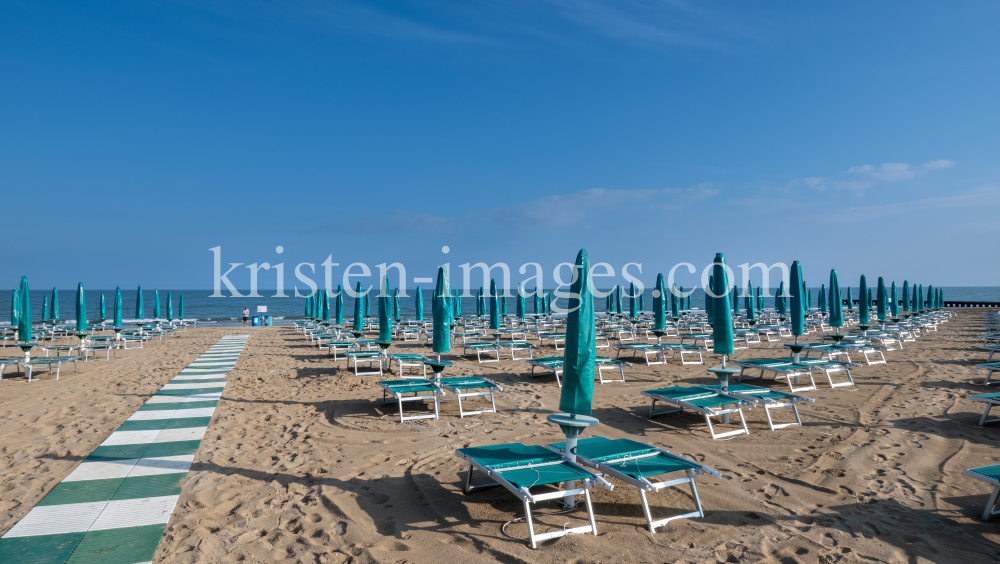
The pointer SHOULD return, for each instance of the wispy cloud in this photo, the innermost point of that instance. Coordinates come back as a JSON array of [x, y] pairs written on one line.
[[984, 196], [860, 178]]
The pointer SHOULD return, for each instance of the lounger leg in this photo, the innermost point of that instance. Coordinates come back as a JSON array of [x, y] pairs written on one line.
[[531, 526], [590, 511], [982, 420], [468, 481], [493, 401], [798, 419], [767, 413], [991, 504], [744, 421], [711, 430], [694, 494], [989, 373], [645, 510]]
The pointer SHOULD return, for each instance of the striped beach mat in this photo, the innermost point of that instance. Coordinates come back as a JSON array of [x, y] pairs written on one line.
[[114, 507]]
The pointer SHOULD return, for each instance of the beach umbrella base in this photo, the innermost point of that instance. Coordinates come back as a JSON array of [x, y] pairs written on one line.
[[724, 374], [26, 349], [384, 345], [796, 349], [572, 425], [659, 335], [438, 367]]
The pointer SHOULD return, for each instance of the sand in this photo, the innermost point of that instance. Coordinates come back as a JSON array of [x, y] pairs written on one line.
[[302, 463]]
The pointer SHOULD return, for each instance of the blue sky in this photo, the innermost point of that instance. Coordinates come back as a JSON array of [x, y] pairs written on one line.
[[860, 136]]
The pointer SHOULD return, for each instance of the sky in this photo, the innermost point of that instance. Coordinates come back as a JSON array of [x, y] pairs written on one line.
[[137, 136]]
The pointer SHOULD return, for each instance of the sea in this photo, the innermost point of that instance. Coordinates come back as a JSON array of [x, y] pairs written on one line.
[[198, 304]]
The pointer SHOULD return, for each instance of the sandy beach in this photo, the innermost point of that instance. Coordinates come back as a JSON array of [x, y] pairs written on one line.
[[302, 463]]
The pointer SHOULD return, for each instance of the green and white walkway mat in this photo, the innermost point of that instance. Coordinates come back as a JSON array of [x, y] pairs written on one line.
[[114, 507]]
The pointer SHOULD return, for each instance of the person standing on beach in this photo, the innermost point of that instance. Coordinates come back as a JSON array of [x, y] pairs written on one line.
[[246, 316]]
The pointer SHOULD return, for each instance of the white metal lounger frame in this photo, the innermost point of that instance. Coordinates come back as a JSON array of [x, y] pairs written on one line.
[[646, 349], [829, 367], [990, 402], [480, 348], [400, 399], [782, 372], [367, 357], [404, 361], [990, 510], [513, 346], [706, 411], [459, 393], [768, 404], [644, 485], [990, 369], [48, 361], [527, 498], [680, 349]]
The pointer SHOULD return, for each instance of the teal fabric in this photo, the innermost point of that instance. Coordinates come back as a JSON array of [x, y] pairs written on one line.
[[384, 312], [837, 310], [674, 306], [798, 308], [359, 311], [15, 308], [511, 455], [104, 313], [45, 307], [339, 306], [24, 318], [81, 309], [894, 306], [418, 304], [988, 471], [736, 300], [618, 300], [156, 304], [118, 307], [55, 303], [494, 306], [780, 301], [581, 343], [905, 300], [659, 298], [749, 303], [722, 327], [863, 314], [534, 300], [395, 304], [882, 297], [441, 340], [632, 311], [140, 313], [528, 477], [520, 301], [850, 299], [368, 304], [180, 306]]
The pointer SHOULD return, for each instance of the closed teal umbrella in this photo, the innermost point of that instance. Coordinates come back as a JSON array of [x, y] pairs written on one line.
[[736, 300], [809, 296], [307, 312], [905, 300], [180, 307], [24, 318], [104, 314], [836, 306], [914, 308], [674, 306], [384, 312], [681, 299], [632, 311], [118, 307], [395, 304], [534, 301], [156, 304], [870, 300], [659, 301], [456, 305], [45, 308], [779, 300], [751, 304], [418, 305], [81, 310], [824, 302], [850, 299], [140, 313], [441, 339], [480, 304], [722, 325], [883, 298], [642, 303], [548, 303], [339, 306], [494, 306], [520, 301], [55, 304], [327, 310], [577, 392], [15, 309], [797, 299], [864, 317], [618, 300], [170, 306], [920, 298], [502, 297], [607, 302], [359, 311], [894, 307], [368, 304], [930, 296], [760, 299]]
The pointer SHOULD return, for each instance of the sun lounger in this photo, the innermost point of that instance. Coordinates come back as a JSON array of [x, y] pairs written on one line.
[[769, 399], [421, 390], [404, 361], [992, 349], [990, 367], [556, 338], [48, 362], [480, 348], [990, 400], [518, 468], [555, 365], [635, 463], [783, 368], [829, 367], [334, 347], [701, 400], [461, 386], [646, 349], [5, 362], [95, 348], [705, 339], [369, 358], [514, 346], [990, 475], [681, 349]]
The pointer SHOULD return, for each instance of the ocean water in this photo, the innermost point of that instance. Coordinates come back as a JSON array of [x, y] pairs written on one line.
[[200, 305]]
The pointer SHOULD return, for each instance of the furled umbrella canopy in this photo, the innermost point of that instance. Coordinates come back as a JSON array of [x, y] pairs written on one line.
[[55, 304], [119, 314], [920, 298], [836, 306], [674, 306], [502, 297], [883, 298], [779, 300], [104, 312], [930, 296], [659, 298], [534, 301], [735, 296], [156, 304], [15, 309], [384, 312], [81, 309], [548, 303], [632, 305], [894, 305], [494, 306], [581, 343], [359, 309], [308, 310], [418, 305], [24, 317], [45, 307], [864, 317], [441, 300], [140, 312], [368, 304], [905, 299], [750, 305], [180, 306], [339, 306], [456, 305], [520, 301], [722, 327], [327, 310], [823, 301], [618, 300], [760, 298], [850, 299], [797, 301]]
